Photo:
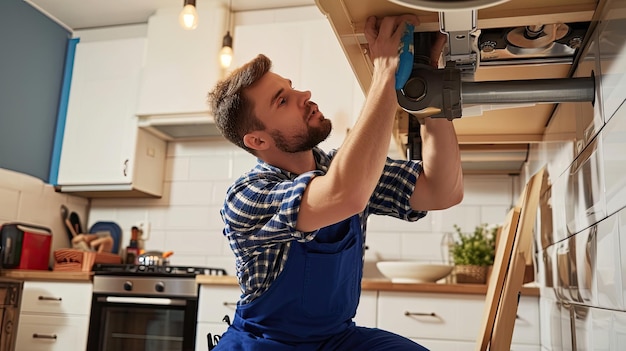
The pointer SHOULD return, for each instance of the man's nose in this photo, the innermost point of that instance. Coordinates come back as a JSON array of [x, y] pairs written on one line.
[[305, 96]]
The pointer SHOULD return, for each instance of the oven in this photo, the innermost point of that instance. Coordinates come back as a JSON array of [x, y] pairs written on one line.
[[137, 308]]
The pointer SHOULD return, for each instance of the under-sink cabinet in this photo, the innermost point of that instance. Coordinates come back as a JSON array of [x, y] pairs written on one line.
[[54, 316]]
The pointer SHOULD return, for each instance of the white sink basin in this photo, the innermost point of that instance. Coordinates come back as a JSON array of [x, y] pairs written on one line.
[[413, 271]]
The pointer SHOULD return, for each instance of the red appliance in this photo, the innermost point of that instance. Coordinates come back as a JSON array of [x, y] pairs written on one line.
[[25, 246]]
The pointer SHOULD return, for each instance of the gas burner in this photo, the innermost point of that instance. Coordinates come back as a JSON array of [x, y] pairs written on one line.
[[163, 271]]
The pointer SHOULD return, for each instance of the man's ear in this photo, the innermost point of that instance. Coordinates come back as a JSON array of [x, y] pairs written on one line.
[[256, 141]]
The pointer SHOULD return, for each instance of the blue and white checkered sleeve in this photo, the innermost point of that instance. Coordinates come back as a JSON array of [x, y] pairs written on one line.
[[265, 208], [395, 187]]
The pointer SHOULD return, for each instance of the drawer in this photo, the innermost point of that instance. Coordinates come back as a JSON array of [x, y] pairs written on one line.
[[203, 329], [57, 297], [47, 333], [366, 312], [217, 301], [433, 316], [450, 316]]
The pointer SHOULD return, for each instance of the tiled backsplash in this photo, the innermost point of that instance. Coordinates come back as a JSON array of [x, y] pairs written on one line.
[[27, 199], [186, 219]]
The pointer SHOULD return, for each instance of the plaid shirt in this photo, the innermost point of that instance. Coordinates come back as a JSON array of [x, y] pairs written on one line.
[[261, 210]]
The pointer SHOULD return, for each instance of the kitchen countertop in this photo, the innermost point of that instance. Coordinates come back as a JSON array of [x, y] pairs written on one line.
[[46, 275], [387, 285]]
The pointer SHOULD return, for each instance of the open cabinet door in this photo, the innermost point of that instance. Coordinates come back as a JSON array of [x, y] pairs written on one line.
[[513, 252]]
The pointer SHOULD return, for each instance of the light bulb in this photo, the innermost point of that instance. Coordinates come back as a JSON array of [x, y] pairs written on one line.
[[226, 56], [188, 17], [226, 53]]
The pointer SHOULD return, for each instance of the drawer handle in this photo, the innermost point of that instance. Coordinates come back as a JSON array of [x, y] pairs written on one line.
[[421, 314], [44, 336], [226, 303], [46, 298]]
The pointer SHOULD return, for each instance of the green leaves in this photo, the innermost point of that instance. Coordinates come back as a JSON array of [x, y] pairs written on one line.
[[477, 248]]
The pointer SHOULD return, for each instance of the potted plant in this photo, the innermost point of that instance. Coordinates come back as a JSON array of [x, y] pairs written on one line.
[[473, 253]]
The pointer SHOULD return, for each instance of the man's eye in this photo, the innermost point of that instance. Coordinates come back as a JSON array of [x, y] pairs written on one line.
[[282, 101]]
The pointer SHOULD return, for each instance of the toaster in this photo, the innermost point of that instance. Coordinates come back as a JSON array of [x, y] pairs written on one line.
[[25, 246]]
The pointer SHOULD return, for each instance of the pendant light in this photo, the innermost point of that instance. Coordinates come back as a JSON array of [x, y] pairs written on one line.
[[226, 53], [188, 17]]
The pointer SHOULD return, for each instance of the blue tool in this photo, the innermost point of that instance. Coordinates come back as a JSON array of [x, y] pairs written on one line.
[[406, 57]]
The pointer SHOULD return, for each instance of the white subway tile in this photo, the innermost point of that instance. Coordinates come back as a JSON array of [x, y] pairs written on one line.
[[423, 247], [176, 168], [392, 224], [206, 242], [191, 193], [494, 214], [213, 167], [466, 217], [383, 246]]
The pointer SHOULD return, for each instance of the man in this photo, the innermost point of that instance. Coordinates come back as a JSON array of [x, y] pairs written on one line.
[[295, 222]]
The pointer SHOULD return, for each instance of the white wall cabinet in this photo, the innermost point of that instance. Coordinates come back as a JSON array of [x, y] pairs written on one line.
[[181, 65], [103, 150], [54, 316]]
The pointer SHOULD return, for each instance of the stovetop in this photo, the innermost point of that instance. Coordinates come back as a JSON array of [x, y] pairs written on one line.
[[154, 271]]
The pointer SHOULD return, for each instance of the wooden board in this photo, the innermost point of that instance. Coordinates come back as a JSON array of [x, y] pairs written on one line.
[[507, 310], [507, 277], [498, 274]]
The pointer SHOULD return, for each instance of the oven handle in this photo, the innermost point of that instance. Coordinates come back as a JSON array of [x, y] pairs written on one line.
[[143, 300]]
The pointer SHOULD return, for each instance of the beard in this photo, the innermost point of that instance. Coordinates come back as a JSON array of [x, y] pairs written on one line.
[[304, 141]]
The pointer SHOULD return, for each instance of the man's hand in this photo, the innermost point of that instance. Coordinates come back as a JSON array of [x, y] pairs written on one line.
[[383, 37]]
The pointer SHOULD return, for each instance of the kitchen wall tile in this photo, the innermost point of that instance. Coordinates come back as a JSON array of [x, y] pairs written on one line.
[[156, 242], [213, 167], [219, 192], [494, 214], [199, 148], [388, 223], [187, 217], [488, 190], [192, 193], [242, 163], [383, 246], [465, 216], [176, 168], [423, 247], [194, 242]]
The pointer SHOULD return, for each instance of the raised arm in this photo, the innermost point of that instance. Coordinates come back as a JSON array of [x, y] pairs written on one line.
[[355, 170]]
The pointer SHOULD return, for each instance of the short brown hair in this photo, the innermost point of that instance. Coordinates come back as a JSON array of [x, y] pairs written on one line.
[[230, 108]]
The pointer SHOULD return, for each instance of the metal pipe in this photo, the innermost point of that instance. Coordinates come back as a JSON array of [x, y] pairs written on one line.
[[528, 91]]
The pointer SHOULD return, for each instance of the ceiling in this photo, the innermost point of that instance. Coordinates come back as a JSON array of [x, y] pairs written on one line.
[[83, 14]]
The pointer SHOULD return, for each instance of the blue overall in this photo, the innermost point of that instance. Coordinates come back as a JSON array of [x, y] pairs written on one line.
[[311, 304]]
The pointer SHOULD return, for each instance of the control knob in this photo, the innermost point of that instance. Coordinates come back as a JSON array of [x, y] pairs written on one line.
[[159, 287], [128, 285]]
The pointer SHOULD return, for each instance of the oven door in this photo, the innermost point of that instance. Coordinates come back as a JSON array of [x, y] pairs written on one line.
[[142, 323]]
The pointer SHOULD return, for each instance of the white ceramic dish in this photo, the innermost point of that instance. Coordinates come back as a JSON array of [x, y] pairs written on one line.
[[413, 271]]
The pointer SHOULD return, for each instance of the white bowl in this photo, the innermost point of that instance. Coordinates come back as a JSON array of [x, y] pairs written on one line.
[[413, 271]]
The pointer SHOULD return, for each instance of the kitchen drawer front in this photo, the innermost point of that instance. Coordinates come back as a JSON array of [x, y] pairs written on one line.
[[57, 297], [203, 329], [456, 317], [446, 317], [51, 333], [217, 301], [446, 345], [366, 312]]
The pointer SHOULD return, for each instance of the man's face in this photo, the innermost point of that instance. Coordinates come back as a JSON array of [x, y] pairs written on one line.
[[291, 119]]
